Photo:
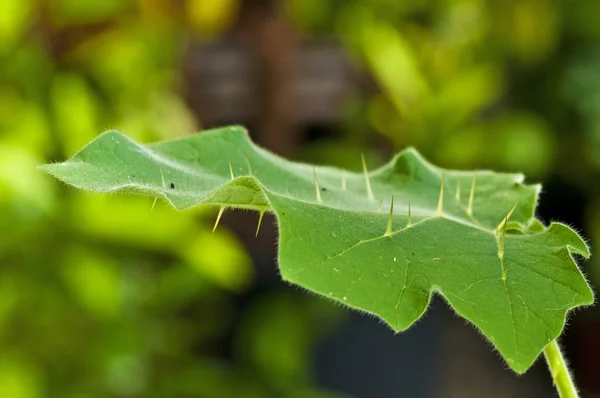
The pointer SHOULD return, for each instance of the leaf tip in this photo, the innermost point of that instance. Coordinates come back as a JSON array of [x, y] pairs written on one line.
[[571, 239]]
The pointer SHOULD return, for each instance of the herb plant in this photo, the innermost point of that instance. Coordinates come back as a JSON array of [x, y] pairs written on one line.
[[381, 241]]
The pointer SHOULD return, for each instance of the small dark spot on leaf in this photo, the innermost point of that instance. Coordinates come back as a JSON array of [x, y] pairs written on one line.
[[323, 189], [172, 186], [413, 253], [283, 213]]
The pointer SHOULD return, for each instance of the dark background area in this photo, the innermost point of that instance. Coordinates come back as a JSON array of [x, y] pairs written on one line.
[[102, 297]]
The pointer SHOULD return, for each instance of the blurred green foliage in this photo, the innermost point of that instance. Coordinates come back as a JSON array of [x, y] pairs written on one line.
[[101, 297]]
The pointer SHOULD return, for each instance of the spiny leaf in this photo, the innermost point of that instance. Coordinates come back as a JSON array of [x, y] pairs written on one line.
[[447, 231]]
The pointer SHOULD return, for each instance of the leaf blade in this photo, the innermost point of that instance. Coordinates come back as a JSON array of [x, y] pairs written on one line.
[[337, 237]]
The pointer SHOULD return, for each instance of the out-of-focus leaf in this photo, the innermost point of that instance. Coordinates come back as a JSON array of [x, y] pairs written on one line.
[[391, 57], [74, 11], [463, 95], [95, 280], [75, 107], [28, 72], [8, 299], [524, 143], [14, 18], [531, 41], [18, 378], [165, 116], [178, 285], [275, 338], [130, 64], [26, 127], [218, 379], [211, 17], [19, 180], [219, 258], [126, 375], [582, 90], [312, 15], [580, 18], [132, 221], [392, 60]]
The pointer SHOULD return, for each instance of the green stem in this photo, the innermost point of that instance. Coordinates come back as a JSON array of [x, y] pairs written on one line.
[[561, 376]]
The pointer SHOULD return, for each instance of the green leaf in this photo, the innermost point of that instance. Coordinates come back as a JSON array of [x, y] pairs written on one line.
[[447, 231]]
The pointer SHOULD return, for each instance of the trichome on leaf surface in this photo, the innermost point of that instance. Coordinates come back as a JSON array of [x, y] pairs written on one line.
[[380, 241]]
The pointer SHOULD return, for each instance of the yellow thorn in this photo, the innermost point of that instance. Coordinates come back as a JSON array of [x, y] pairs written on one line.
[[230, 170], [260, 217], [221, 210], [505, 220], [317, 190], [343, 180], [162, 176], [249, 167], [471, 196], [501, 247], [458, 191], [511, 211], [388, 231], [440, 206], [554, 377], [502, 238], [364, 164], [409, 220]]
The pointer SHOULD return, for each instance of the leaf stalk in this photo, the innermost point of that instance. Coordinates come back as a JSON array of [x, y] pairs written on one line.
[[561, 376]]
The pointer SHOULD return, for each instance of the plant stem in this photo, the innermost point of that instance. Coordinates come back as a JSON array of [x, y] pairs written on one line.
[[561, 377]]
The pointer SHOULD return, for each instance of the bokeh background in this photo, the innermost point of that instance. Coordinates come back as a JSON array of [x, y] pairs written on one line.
[[102, 297]]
